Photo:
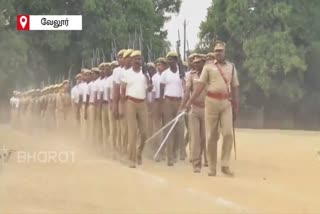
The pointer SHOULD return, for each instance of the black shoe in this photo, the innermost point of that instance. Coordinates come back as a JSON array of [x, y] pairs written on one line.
[[170, 164], [212, 172], [132, 166], [196, 170], [183, 157], [226, 170], [139, 160]]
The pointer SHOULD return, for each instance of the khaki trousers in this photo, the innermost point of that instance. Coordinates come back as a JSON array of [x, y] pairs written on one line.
[[150, 119], [50, 118], [218, 111], [118, 133], [83, 124], [29, 122], [105, 124], [123, 128], [175, 140], [68, 118], [60, 123], [137, 120], [98, 124], [157, 125], [75, 118], [197, 136], [91, 124], [187, 134], [113, 131], [14, 117]]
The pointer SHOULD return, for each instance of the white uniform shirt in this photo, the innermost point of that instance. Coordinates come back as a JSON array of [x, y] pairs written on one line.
[[174, 87], [75, 94], [136, 84], [17, 102], [103, 86], [83, 91], [109, 86], [99, 83], [117, 73], [91, 91], [12, 101], [156, 84], [97, 88]]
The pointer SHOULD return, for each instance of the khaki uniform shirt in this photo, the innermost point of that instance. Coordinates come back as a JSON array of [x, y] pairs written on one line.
[[212, 78], [59, 101], [192, 81], [66, 99]]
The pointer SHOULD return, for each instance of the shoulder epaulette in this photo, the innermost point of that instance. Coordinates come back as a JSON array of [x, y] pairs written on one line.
[[193, 72], [209, 62]]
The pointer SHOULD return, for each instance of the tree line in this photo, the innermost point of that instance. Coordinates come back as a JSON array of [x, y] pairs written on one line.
[[276, 47], [36, 58], [274, 43]]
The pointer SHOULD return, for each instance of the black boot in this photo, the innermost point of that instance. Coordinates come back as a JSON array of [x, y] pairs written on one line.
[[212, 173], [226, 170]]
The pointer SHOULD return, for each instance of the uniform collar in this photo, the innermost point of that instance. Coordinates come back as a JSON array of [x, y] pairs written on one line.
[[222, 63]]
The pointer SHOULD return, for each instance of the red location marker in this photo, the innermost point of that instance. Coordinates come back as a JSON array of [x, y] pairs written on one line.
[[23, 22]]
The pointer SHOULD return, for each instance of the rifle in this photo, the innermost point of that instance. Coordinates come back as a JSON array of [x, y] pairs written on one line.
[[143, 64], [97, 57], [129, 42], [233, 128], [93, 58], [149, 53], [61, 78], [115, 49], [69, 77], [180, 65], [111, 53], [103, 56], [135, 39]]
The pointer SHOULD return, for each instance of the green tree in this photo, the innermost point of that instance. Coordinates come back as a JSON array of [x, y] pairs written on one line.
[[268, 41], [42, 56]]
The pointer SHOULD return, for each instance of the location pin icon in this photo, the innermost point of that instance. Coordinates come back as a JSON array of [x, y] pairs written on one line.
[[23, 21]]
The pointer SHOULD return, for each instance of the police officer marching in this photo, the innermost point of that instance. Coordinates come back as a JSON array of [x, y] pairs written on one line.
[[135, 87], [221, 81]]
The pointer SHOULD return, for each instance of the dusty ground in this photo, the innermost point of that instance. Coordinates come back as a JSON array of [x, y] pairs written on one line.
[[276, 172]]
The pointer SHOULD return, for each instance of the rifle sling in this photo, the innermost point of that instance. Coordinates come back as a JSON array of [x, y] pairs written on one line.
[[223, 76]]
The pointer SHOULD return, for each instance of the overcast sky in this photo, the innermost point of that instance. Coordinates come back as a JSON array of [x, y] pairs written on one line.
[[194, 12]]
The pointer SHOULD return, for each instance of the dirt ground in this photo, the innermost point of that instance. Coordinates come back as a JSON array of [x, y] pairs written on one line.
[[276, 172]]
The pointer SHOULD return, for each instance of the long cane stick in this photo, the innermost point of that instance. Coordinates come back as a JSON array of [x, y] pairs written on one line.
[[164, 127], [165, 139], [234, 142]]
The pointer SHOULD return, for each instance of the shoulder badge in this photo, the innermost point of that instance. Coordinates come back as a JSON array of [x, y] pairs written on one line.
[[211, 62], [193, 72]]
